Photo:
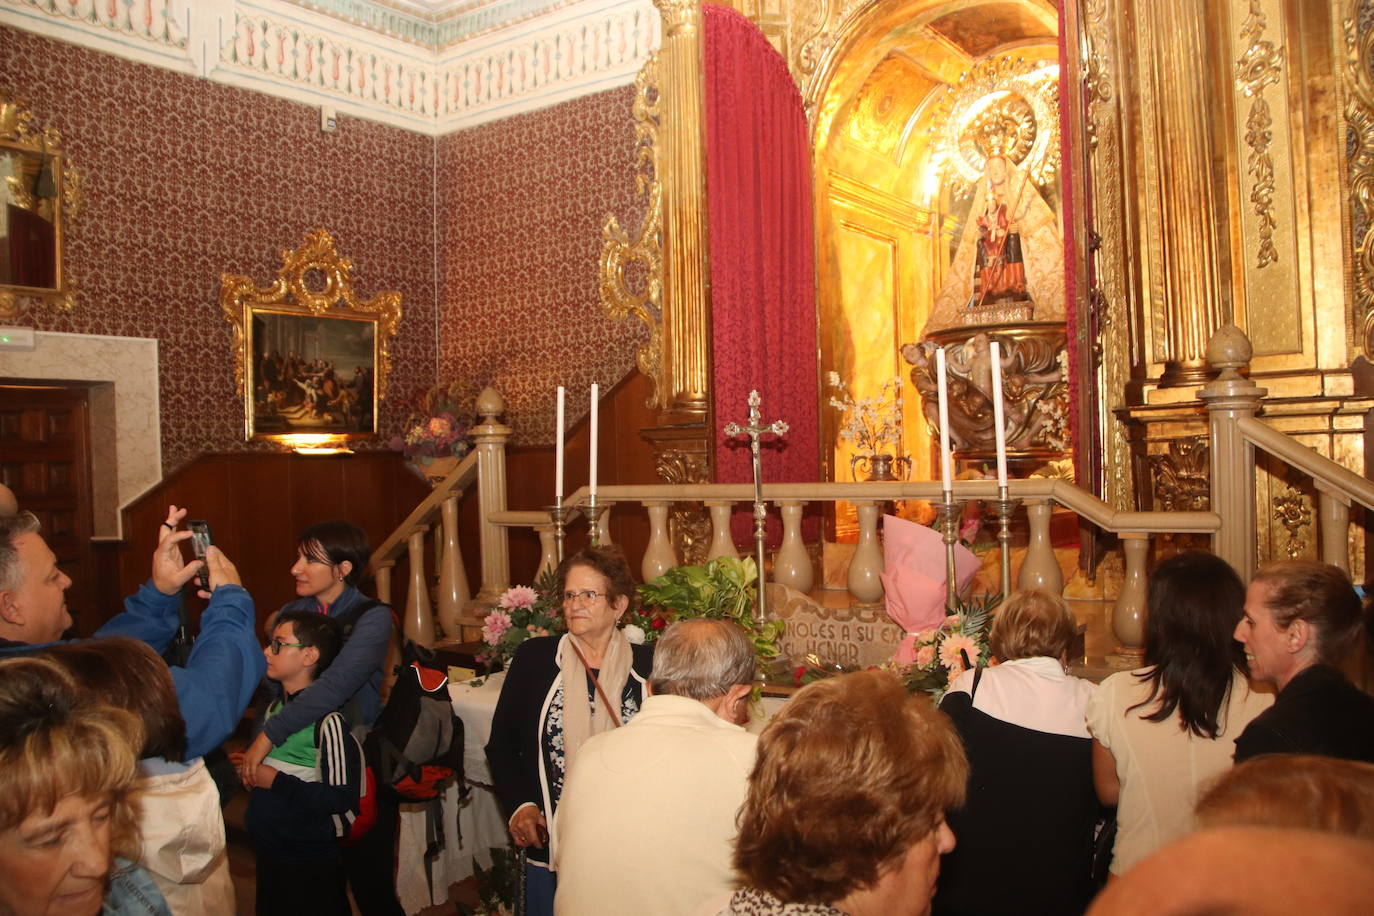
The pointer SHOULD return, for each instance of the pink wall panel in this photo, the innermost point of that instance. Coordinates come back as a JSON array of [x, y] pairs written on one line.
[[521, 203], [185, 179]]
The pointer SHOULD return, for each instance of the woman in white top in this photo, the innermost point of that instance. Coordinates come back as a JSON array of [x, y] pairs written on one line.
[[1162, 730], [1030, 810]]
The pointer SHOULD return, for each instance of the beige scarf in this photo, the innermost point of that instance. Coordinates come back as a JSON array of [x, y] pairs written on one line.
[[580, 720]]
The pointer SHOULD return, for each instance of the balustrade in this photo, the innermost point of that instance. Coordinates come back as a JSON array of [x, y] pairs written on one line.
[[1231, 400]]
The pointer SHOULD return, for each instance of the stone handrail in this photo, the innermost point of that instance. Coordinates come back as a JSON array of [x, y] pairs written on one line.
[[1328, 476]]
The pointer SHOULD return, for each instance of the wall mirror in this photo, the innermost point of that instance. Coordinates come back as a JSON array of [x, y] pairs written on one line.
[[39, 194]]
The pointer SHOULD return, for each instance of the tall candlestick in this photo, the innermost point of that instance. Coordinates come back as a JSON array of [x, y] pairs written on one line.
[[591, 481], [999, 418], [558, 454], [943, 386]]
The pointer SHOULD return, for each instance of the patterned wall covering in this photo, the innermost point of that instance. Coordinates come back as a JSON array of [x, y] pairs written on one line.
[[185, 179], [521, 204]]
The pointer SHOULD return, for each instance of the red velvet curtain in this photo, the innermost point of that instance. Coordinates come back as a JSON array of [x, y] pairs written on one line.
[[763, 309]]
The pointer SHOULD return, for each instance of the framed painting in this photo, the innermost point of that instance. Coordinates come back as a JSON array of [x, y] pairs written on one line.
[[311, 358]]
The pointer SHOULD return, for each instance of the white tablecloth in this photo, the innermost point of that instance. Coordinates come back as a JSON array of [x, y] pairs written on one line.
[[481, 821]]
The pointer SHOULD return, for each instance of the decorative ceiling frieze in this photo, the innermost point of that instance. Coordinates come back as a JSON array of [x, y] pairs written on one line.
[[431, 67]]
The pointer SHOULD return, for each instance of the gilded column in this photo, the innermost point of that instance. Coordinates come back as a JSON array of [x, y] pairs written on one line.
[[1186, 205], [682, 161]]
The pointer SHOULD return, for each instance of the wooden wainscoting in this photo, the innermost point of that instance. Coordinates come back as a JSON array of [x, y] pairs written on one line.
[[256, 504]]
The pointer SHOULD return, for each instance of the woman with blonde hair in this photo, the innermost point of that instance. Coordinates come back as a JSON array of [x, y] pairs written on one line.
[[179, 817], [1031, 810], [67, 772], [846, 806]]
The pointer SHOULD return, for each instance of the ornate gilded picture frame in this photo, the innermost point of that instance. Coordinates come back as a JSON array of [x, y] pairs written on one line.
[[40, 192], [311, 359]]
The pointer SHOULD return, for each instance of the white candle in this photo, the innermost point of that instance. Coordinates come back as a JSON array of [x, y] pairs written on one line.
[[999, 418], [558, 454], [945, 479], [591, 482]]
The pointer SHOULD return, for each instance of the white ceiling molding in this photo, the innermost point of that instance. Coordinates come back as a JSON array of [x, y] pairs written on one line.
[[375, 68]]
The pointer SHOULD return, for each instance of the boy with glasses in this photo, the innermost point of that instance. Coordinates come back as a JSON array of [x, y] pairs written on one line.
[[305, 794]]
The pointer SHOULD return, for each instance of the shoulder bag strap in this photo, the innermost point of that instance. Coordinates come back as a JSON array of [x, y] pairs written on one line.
[[977, 676], [615, 718]]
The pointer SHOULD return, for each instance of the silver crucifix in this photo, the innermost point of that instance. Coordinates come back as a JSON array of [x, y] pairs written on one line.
[[754, 430]]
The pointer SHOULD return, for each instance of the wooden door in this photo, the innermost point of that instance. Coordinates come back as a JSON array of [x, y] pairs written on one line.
[[45, 460]]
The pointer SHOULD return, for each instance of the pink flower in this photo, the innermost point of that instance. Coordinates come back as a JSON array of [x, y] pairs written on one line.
[[495, 626], [521, 596], [950, 649], [927, 636], [924, 656]]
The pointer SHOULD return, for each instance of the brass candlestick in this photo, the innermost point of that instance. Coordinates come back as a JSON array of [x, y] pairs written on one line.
[[1005, 507], [558, 514], [593, 510], [948, 511]]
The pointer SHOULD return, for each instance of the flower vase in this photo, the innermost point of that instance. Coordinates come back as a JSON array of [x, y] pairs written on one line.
[[432, 470], [880, 467]]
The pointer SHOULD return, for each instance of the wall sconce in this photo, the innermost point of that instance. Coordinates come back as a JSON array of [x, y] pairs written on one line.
[[317, 444]]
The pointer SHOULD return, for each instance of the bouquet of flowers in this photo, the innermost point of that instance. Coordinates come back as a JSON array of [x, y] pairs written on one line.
[[946, 651], [441, 425], [870, 423], [521, 613]]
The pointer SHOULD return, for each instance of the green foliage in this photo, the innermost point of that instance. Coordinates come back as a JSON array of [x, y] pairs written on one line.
[[496, 886], [722, 589]]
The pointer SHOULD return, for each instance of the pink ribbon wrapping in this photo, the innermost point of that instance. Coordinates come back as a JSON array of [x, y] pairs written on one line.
[[914, 579]]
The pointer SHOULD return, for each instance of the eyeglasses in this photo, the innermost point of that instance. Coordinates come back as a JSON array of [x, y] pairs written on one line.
[[585, 595], [276, 645]]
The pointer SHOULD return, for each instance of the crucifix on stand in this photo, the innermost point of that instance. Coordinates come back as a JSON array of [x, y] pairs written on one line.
[[754, 430]]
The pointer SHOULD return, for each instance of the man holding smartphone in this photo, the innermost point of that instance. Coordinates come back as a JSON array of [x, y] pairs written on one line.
[[213, 687]]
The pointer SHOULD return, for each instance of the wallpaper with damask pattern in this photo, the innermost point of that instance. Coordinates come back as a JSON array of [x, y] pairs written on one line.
[[521, 203], [185, 179]]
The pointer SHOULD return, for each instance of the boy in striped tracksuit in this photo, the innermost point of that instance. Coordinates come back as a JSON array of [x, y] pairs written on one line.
[[305, 794]]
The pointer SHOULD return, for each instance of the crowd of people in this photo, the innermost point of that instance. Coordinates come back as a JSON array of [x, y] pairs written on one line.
[[632, 785]]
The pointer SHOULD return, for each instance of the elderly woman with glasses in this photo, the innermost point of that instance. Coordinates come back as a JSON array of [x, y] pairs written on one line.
[[559, 691]]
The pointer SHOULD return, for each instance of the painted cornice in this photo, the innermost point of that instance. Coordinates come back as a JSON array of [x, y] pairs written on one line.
[[390, 62]]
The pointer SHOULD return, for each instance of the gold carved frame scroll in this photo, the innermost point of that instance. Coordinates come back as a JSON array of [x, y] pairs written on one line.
[[296, 342], [43, 189]]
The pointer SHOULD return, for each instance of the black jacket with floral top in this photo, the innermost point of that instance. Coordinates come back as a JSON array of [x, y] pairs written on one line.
[[526, 746]]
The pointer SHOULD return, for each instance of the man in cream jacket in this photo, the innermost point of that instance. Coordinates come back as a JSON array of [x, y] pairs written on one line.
[[647, 816]]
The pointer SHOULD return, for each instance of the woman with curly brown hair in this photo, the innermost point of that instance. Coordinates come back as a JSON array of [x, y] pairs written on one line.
[[846, 806], [67, 771]]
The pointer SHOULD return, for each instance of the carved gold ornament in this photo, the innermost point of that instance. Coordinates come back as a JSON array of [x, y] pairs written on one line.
[[643, 253], [313, 281], [1258, 68], [45, 189], [1293, 512], [1003, 106], [1182, 476], [1359, 117]]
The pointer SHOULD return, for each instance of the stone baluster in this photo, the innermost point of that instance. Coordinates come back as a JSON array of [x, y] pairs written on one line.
[[1128, 617], [453, 579], [1040, 568], [659, 556], [1333, 510], [491, 438], [1229, 398], [383, 577], [792, 565], [419, 621], [722, 542], [548, 546], [603, 527], [866, 566]]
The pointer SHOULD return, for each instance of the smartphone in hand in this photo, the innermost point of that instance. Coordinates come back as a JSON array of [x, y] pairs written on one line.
[[200, 539]]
